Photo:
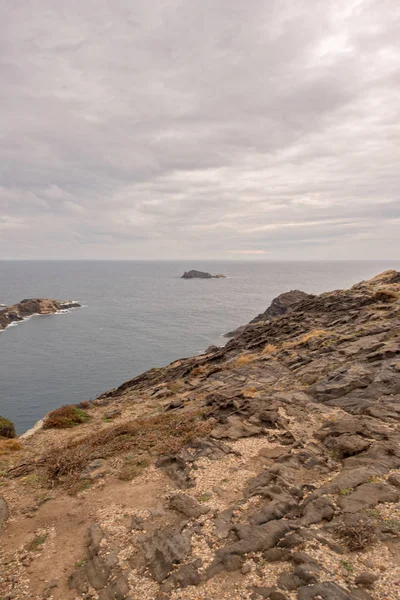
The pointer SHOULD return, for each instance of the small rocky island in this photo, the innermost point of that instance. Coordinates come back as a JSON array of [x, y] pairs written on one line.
[[193, 274], [33, 306]]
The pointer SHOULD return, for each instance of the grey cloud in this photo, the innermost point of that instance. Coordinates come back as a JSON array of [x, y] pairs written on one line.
[[152, 129]]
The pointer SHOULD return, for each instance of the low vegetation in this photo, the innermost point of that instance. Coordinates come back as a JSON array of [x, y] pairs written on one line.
[[149, 437], [7, 428], [9, 445], [358, 535], [65, 417]]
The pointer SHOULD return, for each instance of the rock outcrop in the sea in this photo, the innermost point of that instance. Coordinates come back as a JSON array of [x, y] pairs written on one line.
[[279, 306], [269, 468], [33, 306], [193, 274]]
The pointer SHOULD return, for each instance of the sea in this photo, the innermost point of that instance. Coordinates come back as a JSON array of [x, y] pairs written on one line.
[[136, 315]]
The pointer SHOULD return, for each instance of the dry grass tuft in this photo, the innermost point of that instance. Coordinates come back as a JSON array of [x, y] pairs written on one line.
[[9, 445], [153, 436], [386, 295], [270, 349], [249, 392], [358, 535], [132, 468], [242, 361], [311, 335], [65, 417]]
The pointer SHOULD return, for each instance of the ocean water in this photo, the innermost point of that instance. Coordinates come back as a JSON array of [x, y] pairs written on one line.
[[136, 315]]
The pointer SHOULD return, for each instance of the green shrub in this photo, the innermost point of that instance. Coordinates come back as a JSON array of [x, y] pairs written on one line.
[[65, 417], [7, 428]]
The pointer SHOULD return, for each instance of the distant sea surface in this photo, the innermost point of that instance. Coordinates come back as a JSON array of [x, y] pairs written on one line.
[[136, 315]]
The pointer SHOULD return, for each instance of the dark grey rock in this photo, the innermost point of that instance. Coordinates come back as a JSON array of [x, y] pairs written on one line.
[[95, 535], [223, 524], [366, 496], [187, 506], [165, 549], [97, 572], [366, 578], [308, 573], [78, 581], [318, 510], [289, 581], [186, 575], [326, 591]]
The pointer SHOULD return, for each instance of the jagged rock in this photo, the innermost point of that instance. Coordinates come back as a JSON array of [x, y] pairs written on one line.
[[234, 429], [255, 538], [78, 581], [187, 506], [300, 558], [276, 554], [341, 381], [347, 445], [186, 575], [223, 524], [289, 581], [176, 469], [4, 511], [327, 591], [274, 510], [318, 510], [366, 496], [95, 535], [165, 549], [292, 540], [97, 572], [279, 306], [308, 572]]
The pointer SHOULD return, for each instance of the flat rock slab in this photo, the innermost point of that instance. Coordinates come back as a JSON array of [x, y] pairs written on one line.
[[368, 495]]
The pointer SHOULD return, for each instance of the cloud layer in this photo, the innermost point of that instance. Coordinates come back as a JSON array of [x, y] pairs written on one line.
[[170, 129]]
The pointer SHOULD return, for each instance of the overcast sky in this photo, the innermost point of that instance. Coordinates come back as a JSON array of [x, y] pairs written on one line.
[[200, 129]]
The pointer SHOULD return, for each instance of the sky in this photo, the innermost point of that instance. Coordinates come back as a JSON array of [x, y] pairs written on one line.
[[227, 129]]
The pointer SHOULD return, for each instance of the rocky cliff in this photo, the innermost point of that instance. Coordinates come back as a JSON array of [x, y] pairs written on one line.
[[269, 468], [32, 306]]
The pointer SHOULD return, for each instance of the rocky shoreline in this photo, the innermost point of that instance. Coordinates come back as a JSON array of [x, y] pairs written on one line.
[[33, 306], [269, 468]]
